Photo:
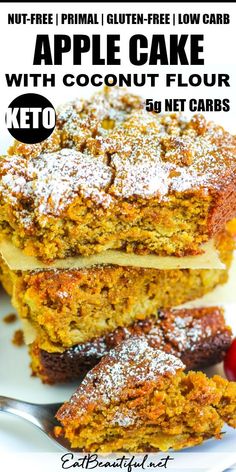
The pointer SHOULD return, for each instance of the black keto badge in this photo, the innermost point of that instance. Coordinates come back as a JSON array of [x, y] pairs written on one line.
[[30, 118]]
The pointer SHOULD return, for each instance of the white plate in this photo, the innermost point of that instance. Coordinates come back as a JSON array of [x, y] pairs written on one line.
[[15, 380]]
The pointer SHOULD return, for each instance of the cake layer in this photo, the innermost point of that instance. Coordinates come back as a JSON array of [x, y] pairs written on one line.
[[199, 337], [119, 177], [138, 399], [67, 307]]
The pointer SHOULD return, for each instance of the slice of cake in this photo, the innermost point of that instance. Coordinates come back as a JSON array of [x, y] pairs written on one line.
[[138, 399], [199, 337]]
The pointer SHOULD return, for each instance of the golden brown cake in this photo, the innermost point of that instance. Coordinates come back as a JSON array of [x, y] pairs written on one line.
[[138, 399], [120, 178], [67, 307], [198, 336]]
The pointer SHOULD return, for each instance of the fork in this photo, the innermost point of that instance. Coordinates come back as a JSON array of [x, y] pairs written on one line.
[[40, 415]]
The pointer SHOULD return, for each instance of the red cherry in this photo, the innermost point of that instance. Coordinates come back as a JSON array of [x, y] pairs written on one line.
[[230, 362]]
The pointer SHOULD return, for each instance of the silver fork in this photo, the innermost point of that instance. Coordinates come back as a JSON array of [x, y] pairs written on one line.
[[40, 415]]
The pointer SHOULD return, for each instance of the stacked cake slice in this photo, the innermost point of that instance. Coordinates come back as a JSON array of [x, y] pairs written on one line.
[[109, 225]]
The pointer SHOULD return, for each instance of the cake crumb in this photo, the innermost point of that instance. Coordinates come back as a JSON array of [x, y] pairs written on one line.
[[11, 318], [58, 431], [18, 338]]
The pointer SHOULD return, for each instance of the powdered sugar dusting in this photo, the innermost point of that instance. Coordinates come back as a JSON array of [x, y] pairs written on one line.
[[187, 332], [50, 182], [128, 366], [148, 165], [139, 173], [81, 120], [124, 417]]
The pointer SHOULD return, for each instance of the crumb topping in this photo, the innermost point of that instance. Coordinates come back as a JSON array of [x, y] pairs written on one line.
[[148, 165], [11, 318], [130, 365], [102, 112], [49, 182]]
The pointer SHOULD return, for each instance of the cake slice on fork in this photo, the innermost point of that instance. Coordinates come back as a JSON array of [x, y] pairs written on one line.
[[138, 398]]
